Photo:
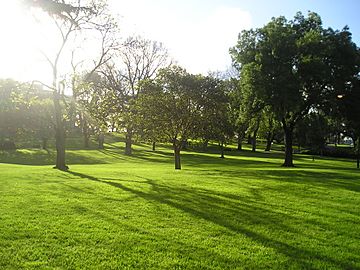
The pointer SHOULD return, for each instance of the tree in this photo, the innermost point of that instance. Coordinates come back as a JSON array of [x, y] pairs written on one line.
[[25, 112], [313, 130], [69, 18], [11, 118], [138, 59], [250, 111], [172, 102], [297, 63], [88, 84], [41, 120], [348, 103], [269, 127], [214, 123], [97, 105]]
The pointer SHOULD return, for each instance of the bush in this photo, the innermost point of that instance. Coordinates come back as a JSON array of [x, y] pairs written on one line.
[[338, 152]]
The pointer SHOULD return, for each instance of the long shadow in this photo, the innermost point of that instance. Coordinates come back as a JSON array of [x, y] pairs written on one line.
[[190, 158], [238, 215], [177, 247], [329, 179]]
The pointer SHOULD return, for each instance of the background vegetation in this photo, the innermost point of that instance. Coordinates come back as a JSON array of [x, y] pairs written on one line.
[[113, 128]]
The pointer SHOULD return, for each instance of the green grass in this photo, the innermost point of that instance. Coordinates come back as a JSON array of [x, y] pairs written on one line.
[[115, 212]]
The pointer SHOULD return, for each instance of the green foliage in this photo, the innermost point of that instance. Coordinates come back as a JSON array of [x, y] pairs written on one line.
[[25, 112], [312, 132], [172, 103], [214, 123], [295, 66]]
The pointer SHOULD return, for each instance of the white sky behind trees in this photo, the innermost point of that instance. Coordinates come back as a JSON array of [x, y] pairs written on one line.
[[198, 33], [199, 40]]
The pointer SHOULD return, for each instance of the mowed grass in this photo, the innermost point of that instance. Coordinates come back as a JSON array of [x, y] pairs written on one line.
[[116, 212]]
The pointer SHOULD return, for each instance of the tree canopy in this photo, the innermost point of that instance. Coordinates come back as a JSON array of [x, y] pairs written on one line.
[[294, 66]]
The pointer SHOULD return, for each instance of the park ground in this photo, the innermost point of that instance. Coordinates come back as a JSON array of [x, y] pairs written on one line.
[[111, 211]]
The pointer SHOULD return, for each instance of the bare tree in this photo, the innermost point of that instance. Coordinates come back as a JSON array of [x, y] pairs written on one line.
[[106, 33], [138, 59]]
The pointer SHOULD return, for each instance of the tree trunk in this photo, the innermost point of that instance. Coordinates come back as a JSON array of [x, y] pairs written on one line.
[[239, 143], [205, 145], [358, 153], [128, 142], [59, 135], [85, 130], [336, 140], [101, 140], [253, 144], [154, 146], [177, 148], [288, 131], [222, 150], [253, 141], [184, 145], [269, 140], [44, 142], [249, 139]]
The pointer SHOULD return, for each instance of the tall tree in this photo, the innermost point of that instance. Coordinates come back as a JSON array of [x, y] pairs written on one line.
[[89, 84], [297, 63], [349, 102], [138, 59], [70, 18]]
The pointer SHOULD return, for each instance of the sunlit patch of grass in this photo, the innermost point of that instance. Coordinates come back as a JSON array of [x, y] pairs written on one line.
[[116, 212]]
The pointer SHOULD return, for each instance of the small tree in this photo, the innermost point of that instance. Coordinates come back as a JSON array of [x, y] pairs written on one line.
[[214, 123], [269, 127]]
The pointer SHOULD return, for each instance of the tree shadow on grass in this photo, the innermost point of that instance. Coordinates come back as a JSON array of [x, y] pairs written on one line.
[[333, 179], [174, 247], [240, 215], [327, 179], [190, 158]]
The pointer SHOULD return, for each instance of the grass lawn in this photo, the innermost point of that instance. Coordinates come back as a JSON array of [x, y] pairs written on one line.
[[115, 212]]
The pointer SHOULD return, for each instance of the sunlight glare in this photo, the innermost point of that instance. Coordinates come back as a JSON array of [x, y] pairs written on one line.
[[20, 50]]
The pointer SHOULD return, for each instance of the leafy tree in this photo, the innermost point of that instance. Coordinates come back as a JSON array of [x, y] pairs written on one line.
[[297, 62], [11, 118], [314, 130], [172, 102], [24, 112], [349, 107], [251, 88], [41, 122], [239, 123], [214, 123], [98, 104], [269, 127]]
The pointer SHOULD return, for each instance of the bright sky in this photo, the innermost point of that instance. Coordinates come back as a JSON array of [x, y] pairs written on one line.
[[198, 33]]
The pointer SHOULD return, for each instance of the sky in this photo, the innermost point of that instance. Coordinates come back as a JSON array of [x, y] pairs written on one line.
[[198, 33]]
